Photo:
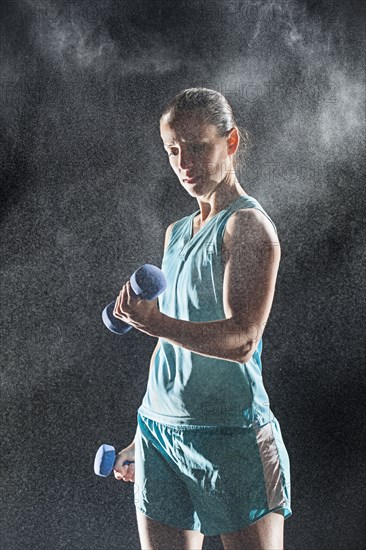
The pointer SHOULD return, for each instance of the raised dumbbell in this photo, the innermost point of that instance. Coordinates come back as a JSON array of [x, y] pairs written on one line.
[[148, 282]]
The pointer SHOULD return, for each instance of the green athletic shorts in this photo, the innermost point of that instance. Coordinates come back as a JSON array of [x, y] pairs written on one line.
[[210, 479]]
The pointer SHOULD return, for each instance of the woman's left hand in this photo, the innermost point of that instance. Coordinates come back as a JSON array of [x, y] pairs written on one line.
[[139, 313]]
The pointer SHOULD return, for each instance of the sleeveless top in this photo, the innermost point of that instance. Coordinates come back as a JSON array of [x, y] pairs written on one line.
[[186, 389]]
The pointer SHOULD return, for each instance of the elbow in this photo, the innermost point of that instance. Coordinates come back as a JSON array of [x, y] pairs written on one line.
[[244, 344], [246, 352], [242, 352], [246, 357], [240, 356], [235, 356]]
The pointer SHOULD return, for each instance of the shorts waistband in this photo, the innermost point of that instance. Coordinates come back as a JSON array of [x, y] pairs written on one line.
[[184, 427]]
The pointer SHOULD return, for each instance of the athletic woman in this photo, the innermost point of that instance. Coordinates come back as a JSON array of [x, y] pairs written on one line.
[[208, 451]]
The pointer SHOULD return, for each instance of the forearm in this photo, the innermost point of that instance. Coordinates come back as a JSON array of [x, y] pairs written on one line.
[[222, 339]]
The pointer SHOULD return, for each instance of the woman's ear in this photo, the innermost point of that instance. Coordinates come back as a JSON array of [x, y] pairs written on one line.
[[233, 139]]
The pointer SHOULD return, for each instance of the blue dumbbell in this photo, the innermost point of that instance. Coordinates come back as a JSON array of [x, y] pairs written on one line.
[[148, 282], [105, 459]]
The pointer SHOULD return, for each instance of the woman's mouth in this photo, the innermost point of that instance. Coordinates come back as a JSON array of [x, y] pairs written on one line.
[[191, 180]]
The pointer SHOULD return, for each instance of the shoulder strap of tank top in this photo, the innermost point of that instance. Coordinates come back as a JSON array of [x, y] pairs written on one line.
[[180, 226]]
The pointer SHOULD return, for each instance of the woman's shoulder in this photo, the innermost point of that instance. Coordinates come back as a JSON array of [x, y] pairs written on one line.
[[254, 215], [247, 221], [178, 223]]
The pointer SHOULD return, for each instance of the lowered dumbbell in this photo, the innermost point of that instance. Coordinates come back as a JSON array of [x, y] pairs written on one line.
[[105, 459]]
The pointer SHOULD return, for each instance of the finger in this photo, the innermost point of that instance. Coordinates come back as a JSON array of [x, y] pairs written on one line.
[[131, 293], [116, 310], [117, 475], [124, 305], [130, 472], [121, 472], [122, 300], [122, 295]]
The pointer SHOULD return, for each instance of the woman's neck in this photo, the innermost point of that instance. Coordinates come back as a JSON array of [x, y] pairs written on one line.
[[221, 197]]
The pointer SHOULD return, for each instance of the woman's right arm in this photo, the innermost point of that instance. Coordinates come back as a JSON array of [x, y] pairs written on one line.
[[127, 472]]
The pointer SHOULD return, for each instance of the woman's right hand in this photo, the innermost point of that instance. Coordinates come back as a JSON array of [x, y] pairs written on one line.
[[126, 472]]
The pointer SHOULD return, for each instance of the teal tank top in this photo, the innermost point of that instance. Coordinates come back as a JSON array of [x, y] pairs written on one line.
[[185, 388]]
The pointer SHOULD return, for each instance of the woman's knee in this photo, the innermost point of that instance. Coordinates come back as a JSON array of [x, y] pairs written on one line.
[[155, 535], [266, 533]]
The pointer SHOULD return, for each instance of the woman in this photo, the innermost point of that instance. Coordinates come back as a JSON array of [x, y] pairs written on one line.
[[209, 453]]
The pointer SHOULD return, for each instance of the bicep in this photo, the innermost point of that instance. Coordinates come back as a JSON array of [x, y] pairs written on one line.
[[252, 261]]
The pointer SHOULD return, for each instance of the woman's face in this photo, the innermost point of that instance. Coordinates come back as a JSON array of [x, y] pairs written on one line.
[[198, 155]]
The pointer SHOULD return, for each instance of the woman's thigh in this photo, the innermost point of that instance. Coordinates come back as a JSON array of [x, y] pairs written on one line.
[[264, 534], [158, 536]]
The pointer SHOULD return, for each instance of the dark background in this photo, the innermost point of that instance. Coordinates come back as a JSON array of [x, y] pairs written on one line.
[[86, 195]]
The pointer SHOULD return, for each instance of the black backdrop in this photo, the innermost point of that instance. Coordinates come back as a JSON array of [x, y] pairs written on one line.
[[86, 196]]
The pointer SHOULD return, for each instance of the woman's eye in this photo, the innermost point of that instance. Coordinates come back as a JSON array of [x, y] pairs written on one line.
[[195, 149]]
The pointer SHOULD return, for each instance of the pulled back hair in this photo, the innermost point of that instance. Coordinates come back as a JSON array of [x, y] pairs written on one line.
[[215, 109]]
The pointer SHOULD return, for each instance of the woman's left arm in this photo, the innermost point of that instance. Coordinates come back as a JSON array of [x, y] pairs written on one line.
[[250, 275], [252, 257]]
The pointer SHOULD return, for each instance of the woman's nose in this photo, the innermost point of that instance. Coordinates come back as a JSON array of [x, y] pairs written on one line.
[[185, 160]]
